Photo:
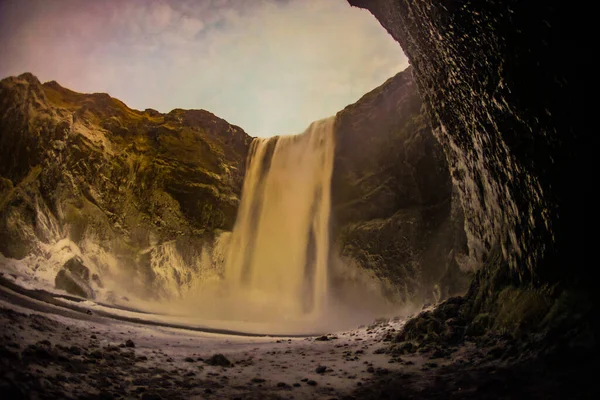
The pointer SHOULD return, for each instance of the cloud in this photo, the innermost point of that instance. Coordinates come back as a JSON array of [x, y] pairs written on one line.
[[161, 15], [271, 67], [190, 26]]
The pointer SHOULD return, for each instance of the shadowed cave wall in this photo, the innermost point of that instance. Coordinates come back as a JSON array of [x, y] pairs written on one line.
[[508, 111]]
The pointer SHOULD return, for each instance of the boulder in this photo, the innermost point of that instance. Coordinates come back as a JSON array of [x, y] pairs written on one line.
[[75, 266], [74, 278], [219, 360]]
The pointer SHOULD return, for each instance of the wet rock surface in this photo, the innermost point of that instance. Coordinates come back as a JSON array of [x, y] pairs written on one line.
[[74, 278], [393, 208], [73, 284]]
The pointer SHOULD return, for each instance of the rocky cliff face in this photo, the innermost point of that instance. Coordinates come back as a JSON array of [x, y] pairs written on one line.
[[124, 186], [393, 208], [509, 118], [140, 197]]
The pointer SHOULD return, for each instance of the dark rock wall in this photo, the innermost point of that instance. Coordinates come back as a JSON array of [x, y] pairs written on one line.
[[393, 209], [507, 105]]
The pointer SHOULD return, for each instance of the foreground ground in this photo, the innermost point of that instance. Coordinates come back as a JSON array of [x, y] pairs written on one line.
[[54, 352]]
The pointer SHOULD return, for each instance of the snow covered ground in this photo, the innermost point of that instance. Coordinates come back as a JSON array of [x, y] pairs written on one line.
[[78, 352]]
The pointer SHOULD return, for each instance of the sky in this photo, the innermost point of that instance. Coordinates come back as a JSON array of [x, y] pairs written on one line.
[[268, 66]]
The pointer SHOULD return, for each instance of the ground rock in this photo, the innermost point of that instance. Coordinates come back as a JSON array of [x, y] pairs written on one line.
[[74, 279]]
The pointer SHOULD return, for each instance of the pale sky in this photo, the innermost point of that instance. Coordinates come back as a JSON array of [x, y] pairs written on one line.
[[269, 66]]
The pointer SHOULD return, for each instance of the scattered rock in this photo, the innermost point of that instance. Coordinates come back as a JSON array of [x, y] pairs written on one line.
[[439, 353], [311, 383], [150, 396], [97, 354], [218, 360], [129, 343], [321, 369]]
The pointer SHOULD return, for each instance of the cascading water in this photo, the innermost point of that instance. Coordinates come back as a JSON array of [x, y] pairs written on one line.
[[280, 243], [276, 259]]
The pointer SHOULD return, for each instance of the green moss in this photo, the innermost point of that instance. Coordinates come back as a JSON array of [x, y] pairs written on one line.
[[521, 308], [479, 325]]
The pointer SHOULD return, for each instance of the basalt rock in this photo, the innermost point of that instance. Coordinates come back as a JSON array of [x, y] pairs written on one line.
[[512, 124], [74, 278], [219, 360], [394, 208], [75, 266]]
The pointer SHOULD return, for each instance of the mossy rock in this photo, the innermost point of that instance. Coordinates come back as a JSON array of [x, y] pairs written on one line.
[[521, 309], [479, 325]]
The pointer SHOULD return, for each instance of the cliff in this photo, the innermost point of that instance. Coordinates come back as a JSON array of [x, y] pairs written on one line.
[[140, 196], [88, 168], [394, 212], [510, 119]]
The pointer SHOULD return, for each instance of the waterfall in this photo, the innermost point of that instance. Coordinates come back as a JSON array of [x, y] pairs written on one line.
[[280, 242]]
